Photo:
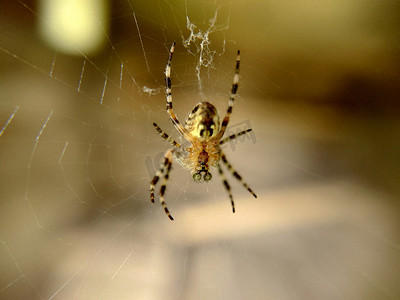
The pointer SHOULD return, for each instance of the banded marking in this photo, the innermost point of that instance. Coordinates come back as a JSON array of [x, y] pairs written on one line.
[[165, 168], [234, 136], [162, 191], [166, 137], [227, 186], [159, 173], [236, 174], [235, 86], [168, 91]]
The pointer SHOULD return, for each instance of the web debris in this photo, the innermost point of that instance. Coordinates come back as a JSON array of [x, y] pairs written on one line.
[[150, 91], [201, 40]]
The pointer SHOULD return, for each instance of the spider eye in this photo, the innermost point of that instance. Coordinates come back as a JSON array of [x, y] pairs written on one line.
[[196, 176], [207, 177]]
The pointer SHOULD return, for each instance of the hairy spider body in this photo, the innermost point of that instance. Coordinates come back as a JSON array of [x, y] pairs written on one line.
[[203, 123], [202, 156], [204, 132]]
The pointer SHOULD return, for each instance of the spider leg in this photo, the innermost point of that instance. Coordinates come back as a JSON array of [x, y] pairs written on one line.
[[232, 97], [227, 186], [159, 173], [165, 168], [236, 174], [168, 90], [234, 136], [168, 157], [167, 138]]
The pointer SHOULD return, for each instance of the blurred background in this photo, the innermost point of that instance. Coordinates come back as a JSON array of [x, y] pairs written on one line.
[[81, 83]]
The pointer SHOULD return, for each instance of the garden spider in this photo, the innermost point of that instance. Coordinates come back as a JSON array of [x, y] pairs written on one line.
[[203, 131]]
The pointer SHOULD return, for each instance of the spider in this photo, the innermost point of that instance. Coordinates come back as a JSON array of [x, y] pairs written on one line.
[[204, 132]]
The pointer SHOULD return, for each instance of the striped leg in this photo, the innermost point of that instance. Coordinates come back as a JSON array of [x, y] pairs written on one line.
[[234, 136], [235, 174], [168, 90], [159, 173], [167, 138], [165, 168], [235, 86], [163, 188], [227, 186]]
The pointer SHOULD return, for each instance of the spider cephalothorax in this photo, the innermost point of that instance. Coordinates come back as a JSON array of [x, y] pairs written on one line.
[[204, 132]]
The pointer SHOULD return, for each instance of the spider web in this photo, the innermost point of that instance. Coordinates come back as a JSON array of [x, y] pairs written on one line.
[[78, 151]]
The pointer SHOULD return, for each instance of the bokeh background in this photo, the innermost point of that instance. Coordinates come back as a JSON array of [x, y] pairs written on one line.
[[81, 84]]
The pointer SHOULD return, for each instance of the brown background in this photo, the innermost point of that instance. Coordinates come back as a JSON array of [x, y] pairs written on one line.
[[319, 86]]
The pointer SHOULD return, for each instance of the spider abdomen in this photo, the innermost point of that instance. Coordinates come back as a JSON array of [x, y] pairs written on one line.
[[203, 121]]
